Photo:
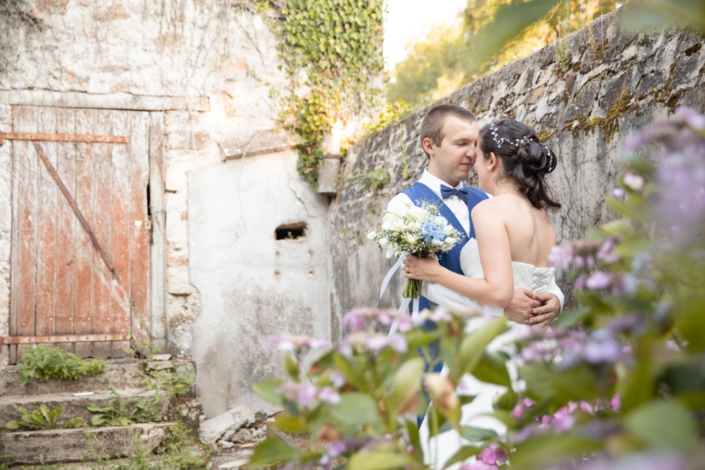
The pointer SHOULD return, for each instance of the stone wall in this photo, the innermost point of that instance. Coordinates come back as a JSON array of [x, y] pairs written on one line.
[[610, 85], [204, 69]]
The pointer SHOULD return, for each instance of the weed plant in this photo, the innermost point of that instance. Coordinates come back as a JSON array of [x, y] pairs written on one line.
[[42, 419], [47, 362], [120, 412]]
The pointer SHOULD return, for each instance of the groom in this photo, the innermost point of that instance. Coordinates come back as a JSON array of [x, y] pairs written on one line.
[[449, 136]]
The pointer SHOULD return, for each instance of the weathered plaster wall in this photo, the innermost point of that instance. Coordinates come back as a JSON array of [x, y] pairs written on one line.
[[621, 81], [204, 68], [253, 286]]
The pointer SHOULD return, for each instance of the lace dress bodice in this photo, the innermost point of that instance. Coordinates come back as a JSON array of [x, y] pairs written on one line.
[[526, 276]]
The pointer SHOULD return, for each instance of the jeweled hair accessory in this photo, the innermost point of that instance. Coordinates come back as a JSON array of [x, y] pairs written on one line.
[[550, 159], [500, 140]]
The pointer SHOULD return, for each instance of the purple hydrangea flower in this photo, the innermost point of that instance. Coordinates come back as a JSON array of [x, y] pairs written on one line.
[[598, 352], [329, 395], [492, 455], [598, 280]]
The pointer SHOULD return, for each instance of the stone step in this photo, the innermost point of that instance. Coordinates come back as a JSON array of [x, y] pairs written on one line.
[[81, 445], [75, 406], [121, 374]]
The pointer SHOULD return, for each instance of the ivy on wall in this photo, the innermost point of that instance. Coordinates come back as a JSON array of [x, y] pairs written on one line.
[[332, 52]]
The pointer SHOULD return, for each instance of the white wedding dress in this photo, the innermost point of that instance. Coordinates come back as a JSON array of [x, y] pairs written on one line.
[[526, 276]]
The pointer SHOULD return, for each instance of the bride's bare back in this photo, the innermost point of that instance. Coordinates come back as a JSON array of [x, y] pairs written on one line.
[[529, 230]]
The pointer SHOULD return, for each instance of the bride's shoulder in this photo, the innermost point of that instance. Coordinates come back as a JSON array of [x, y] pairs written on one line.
[[489, 208]]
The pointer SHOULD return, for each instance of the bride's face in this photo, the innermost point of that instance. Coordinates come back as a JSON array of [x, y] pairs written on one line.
[[485, 179]]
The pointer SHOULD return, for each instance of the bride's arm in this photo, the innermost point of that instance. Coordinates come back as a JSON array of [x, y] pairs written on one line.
[[497, 288]]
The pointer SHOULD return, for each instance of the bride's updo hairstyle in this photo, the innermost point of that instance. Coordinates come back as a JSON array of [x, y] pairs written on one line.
[[525, 158]]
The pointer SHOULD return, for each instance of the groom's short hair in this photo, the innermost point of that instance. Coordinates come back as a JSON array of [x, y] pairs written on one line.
[[432, 125]]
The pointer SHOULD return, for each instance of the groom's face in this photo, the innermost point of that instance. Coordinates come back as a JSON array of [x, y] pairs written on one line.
[[454, 158]]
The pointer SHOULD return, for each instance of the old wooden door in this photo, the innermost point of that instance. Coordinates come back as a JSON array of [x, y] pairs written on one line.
[[60, 285]]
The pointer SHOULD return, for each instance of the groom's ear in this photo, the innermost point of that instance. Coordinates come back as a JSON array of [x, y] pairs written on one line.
[[427, 145]]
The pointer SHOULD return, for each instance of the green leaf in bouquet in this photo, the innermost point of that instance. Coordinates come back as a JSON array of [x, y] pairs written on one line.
[[492, 369], [637, 387], [292, 367], [474, 434], [355, 409], [271, 451], [378, 460], [268, 390], [473, 345], [462, 455], [406, 385], [542, 451], [572, 317], [662, 424], [690, 324], [412, 431], [290, 423], [353, 378]]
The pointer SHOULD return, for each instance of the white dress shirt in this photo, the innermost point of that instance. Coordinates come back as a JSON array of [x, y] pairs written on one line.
[[459, 209]]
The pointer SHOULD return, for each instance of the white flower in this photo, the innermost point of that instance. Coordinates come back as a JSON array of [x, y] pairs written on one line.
[[413, 226], [372, 235], [411, 239], [404, 210], [383, 242], [390, 252], [437, 243], [439, 221], [392, 222], [418, 213], [447, 230]]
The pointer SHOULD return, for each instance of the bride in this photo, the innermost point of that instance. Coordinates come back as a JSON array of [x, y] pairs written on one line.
[[514, 238]]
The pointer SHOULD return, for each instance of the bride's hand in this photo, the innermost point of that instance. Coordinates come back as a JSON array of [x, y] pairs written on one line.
[[423, 269]]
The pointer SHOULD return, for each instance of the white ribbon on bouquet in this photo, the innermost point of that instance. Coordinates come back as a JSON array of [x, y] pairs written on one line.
[[405, 302]]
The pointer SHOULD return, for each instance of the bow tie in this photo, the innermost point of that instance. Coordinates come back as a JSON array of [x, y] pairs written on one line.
[[462, 193]]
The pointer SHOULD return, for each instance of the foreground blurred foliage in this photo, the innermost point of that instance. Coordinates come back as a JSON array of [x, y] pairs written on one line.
[[625, 390]]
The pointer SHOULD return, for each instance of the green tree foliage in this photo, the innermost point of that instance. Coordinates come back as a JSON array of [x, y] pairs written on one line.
[[489, 34]]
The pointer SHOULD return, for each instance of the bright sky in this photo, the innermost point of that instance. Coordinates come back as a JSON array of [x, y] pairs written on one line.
[[412, 19]]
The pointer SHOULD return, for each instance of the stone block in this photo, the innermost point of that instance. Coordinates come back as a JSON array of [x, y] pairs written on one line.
[[211, 430], [75, 406], [74, 445], [127, 375]]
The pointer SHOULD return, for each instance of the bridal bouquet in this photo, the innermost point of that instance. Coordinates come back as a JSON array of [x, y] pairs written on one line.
[[417, 231]]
